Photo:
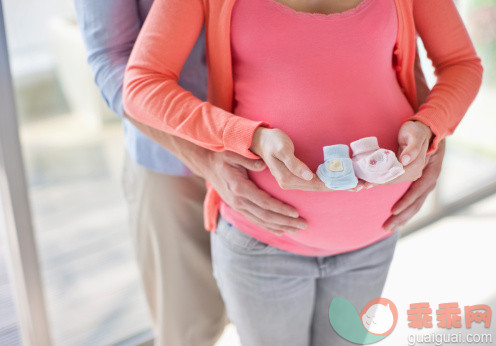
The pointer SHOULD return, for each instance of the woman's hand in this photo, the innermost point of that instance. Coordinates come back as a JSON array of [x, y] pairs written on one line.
[[277, 151], [413, 138], [411, 202]]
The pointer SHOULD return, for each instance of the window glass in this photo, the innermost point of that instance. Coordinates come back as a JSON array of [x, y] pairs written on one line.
[[73, 151], [470, 161]]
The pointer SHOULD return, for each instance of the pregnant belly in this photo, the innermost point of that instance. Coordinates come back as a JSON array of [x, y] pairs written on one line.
[[336, 219]]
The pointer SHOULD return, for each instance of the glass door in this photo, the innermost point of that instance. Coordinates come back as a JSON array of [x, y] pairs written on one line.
[[20, 259], [77, 284]]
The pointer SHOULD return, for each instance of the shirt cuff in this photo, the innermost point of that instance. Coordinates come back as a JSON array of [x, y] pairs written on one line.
[[438, 131], [238, 135]]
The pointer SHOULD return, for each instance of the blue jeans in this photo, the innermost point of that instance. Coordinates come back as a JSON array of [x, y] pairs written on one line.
[[275, 297]]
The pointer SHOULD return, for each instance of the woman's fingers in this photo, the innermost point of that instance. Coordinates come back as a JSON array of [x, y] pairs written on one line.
[[412, 137], [361, 185], [413, 140], [283, 176], [294, 165], [368, 185], [411, 151], [412, 173], [288, 181], [317, 185], [277, 150], [274, 145]]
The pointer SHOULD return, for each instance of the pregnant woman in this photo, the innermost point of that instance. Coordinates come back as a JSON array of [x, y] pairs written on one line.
[[286, 78]]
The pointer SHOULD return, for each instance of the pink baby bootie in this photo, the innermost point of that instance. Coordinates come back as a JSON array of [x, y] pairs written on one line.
[[374, 164]]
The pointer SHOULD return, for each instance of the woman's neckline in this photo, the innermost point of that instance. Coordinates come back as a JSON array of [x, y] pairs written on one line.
[[345, 14]]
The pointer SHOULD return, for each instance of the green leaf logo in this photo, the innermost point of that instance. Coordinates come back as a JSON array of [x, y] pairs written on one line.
[[376, 321]]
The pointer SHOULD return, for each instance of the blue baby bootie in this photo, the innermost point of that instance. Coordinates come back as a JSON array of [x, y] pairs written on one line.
[[337, 170]]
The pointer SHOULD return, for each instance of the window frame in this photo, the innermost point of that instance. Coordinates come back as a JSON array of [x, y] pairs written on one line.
[[27, 283]]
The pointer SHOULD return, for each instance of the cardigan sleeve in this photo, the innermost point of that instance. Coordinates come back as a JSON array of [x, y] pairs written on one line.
[[153, 96], [456, 65]]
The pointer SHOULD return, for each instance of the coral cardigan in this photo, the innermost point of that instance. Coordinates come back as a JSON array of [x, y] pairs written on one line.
[[152, 96]]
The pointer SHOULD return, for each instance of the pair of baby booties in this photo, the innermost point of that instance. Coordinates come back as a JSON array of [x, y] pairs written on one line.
[[369, 162]]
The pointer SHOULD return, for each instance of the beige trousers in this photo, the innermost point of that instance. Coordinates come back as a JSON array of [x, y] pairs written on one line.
[[173, 253]]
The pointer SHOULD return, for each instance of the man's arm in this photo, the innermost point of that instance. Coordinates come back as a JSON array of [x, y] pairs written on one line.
[[227, 173], [110, 29], [153, 96]]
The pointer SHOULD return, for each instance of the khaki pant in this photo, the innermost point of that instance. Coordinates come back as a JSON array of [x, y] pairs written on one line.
[[173, 253]]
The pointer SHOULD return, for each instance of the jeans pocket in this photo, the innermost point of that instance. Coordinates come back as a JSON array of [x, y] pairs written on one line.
[[237, 240]]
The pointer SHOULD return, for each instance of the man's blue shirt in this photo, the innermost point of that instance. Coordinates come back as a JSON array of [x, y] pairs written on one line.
[[110, 29]]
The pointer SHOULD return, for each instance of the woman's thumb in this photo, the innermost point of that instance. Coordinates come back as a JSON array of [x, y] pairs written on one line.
[[410, 151], [297, 167]]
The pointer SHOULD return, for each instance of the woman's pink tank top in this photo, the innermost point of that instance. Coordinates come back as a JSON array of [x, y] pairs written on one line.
[[322, 79]]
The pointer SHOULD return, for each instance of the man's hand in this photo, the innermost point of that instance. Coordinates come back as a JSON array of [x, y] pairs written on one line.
[[227, 173], [411, 202]]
